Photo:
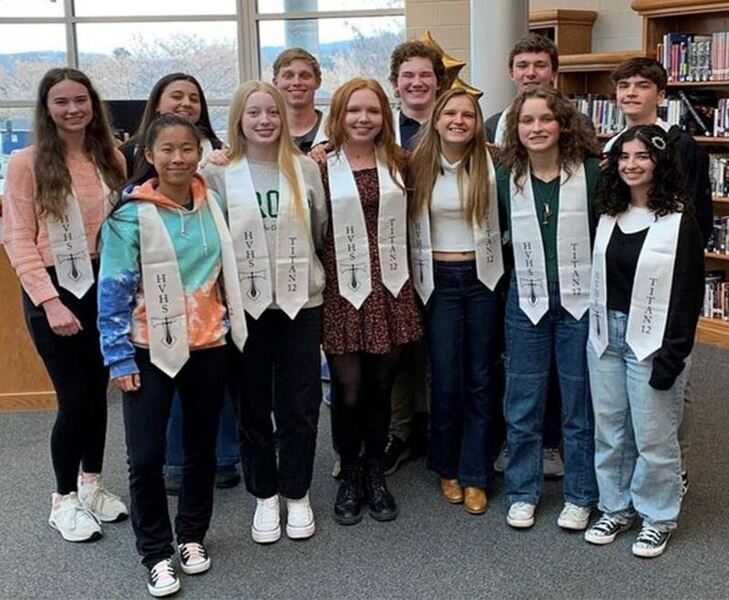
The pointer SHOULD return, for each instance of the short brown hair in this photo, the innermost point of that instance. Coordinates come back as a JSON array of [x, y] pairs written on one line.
[[642, 66], [533, 42], [290, 55], [417, 49]]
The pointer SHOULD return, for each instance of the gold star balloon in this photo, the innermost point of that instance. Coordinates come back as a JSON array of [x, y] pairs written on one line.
[[452, 65]]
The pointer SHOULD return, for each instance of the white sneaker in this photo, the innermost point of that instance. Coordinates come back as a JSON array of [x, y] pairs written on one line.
[[300, 519], [194, 558], [521, 515], [74, 522], [105, 506], [163, 580], [552, 465], [574, 517], [266, 527]]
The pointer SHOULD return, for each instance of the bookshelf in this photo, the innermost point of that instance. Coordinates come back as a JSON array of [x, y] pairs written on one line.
[[570, 30], [699, 17]]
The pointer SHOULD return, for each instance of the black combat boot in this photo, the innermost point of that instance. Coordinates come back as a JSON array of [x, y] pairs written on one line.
[[350, 497], [382, 504]]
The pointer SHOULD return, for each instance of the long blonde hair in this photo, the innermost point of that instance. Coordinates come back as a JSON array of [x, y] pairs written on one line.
[[287, 151], [425, 165], [385, 146]]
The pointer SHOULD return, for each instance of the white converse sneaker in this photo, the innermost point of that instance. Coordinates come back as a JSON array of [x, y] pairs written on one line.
[[574, 517], [163, 580], [521, 515], [194, 558], [105, 506], [266, 527], [74, 522], [300, 520]]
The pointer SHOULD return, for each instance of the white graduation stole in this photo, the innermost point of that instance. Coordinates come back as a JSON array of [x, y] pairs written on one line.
[[351, 241], [609, 144], [291, 271], [164, 296], [233, 300], [396, 126], [69, 246], [501, 127], [487, 239], [573, 247], [652, 286], [320, 136]]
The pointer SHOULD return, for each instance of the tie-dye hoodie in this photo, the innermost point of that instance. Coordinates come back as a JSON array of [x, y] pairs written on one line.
[[122, 311]]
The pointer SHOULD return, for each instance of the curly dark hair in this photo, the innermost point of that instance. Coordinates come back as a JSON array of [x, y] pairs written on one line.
[[577, 141], [668, 194], [417, 49]]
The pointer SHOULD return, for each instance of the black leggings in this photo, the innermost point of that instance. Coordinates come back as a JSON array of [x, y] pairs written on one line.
[[76, 368], [361, 404]]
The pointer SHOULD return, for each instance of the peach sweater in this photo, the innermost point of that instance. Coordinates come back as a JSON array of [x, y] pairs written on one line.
[[24, 230]]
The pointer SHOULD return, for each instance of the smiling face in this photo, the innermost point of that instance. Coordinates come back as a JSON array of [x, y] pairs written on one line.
[[69, 105], [181, 98], [538, 127], [175, 155], [417, 84], [297, 83], [363, 117], [261, 120], [638, 98], [531, 69], [456, 123], [636, 166]]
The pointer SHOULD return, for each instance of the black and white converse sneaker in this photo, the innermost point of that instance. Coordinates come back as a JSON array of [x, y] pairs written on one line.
[[651, 542], [606, 529], [163, 580], [194, 558]]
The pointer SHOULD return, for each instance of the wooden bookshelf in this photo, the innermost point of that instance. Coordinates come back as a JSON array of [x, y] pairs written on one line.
[[700, 17], [570, 30], [590, 73]]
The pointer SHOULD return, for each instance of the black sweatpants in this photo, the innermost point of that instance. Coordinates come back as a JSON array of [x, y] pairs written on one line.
[[280, 371], [201, 385]]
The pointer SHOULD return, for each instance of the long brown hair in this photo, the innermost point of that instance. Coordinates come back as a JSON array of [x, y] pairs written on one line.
[[425, 166], [577, 141], [385, 145], [287, 151], [52, 178]]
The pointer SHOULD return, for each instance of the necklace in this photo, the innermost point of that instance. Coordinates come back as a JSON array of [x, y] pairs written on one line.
[[547, 204]]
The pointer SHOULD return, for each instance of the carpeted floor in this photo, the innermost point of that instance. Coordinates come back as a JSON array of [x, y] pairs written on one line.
[[433, 550]]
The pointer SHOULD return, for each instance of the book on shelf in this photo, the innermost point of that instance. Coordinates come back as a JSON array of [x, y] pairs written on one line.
[[602, 111], [716, 296], [719, 174], [694, 57], [718, 242]]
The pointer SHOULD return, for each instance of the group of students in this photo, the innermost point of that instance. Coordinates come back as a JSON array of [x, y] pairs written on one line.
[[222, 272]]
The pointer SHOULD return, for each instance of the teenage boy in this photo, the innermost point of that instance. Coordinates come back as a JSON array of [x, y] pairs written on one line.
[[417, 75], [534, 61], [297, 75], [640, 87]]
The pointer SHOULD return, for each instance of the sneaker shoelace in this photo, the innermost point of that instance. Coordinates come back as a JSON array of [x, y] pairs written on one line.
[[193, 552], [520, 506], [551, 454], [101, 496], [606, 525], [163, 573], [649, 535], [78, 510], [267, 514]]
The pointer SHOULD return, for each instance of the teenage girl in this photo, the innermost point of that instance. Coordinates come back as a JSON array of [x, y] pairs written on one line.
[[277, 215], [457, 264], [56, 196], [369, 304], [163, 325], [647, 292], [546, 188]]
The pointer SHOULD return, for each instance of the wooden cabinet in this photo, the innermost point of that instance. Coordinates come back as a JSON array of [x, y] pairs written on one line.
[[570, 30]]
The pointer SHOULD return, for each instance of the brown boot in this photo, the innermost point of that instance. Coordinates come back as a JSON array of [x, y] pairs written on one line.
[[451, 490], [475, 500]]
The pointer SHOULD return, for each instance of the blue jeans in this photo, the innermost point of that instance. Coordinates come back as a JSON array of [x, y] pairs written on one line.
[[226, 449], [464, 332], [637, 456], [529, 350]]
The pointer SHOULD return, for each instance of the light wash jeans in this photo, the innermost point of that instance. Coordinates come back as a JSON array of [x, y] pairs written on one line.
[[637, 456]]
